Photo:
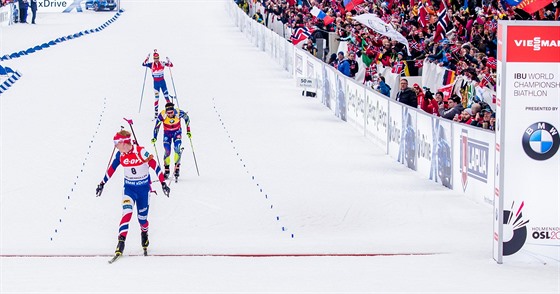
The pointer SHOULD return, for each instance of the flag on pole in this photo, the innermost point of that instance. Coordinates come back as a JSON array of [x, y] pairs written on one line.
[[423, 15], [301, 34], [320, 14], [350, 4], [532, 6], [378, 25], [442, 23]]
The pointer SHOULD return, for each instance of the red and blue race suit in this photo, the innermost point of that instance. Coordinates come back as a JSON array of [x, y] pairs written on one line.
[[136, 164], [159, 81]]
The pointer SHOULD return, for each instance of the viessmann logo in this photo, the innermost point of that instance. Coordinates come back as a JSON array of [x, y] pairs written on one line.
[[524, 41], [537, 43]]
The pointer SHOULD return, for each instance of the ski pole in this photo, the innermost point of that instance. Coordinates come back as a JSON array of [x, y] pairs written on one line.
[[157, 156], [113, 153], [143, 85], [130, 122], [174, 89], [194, 156]]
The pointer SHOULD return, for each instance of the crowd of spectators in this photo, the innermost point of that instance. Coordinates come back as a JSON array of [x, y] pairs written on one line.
[[467, 47]]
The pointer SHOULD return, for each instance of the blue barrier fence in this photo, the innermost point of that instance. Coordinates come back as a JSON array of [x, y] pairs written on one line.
[[15, 75]]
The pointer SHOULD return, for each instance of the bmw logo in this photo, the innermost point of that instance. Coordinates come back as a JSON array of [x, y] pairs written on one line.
[[540, 141]]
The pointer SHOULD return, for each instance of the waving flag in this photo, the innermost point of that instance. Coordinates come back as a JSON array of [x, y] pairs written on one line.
[[378, 25], [320, 14], [532, 6], [442, 23], [350, 4], [423, 13], [301, 34]]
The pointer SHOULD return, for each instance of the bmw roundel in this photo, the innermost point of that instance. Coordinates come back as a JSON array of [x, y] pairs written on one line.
[[541, 141]]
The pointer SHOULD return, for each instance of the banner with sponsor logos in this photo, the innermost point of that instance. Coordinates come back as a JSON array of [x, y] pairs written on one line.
[[329, 86], [395, 129], [340, 104], [377, 118], [442, 169], [434, 149], [298, 59], [65, 6], [355, 94], [473, 151], [527, 213], [407, 148]]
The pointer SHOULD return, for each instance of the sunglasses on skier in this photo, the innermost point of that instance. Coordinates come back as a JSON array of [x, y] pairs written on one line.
[[127, 140]]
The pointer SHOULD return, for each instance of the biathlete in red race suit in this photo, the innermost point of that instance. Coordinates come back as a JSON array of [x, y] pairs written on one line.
[[136, 162], [157, 68]]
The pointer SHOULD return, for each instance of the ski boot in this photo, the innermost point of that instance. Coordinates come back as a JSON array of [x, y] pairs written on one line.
[[166, 172], [145, 242], [176, 173], [120, 246]]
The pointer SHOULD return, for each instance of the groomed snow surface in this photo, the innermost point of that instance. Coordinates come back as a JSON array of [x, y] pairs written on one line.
[[289, 199]]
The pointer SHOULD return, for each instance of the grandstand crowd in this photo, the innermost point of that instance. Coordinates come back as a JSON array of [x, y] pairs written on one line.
[[459, 35]]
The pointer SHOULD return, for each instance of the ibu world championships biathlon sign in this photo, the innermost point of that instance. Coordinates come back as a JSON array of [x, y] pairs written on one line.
[[527, 171]]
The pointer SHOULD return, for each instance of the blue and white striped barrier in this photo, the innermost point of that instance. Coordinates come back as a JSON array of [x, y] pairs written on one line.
[[13, 77], [61, 39]]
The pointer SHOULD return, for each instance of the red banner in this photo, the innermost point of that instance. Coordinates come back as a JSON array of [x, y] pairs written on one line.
[[532, 6], [533, 44]]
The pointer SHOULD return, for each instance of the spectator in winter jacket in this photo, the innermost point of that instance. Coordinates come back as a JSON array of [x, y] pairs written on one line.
[[429, 104], [383, 87], [349, 67], [406, 95], [455, 108]]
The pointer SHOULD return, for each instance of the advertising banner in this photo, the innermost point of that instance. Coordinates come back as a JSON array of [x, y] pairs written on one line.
[[434, 149], [441, 170], [527, 202], [340, 104], [407, 148], [473, 150], [298, 59], [355, 112], [377, 118], [395, 129], [328, 86]]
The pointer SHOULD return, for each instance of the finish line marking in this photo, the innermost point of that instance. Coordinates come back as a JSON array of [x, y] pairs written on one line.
[[220, 255]]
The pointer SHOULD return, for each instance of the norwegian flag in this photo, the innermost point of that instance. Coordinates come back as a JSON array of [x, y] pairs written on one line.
[[301, 34], [371, 70], [491, 62], [487, 81], [398, 68], [415, 45], [419, 63], [442, 23], [423, 16], [353, 47]]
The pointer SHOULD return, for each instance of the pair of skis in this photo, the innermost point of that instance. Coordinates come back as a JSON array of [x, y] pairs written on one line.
[[118, 256]]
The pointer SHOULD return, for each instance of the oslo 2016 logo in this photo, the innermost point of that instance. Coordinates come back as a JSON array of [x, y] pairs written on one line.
[[540, 141]]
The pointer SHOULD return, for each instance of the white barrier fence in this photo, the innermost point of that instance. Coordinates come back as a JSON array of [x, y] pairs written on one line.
[[456, 155]]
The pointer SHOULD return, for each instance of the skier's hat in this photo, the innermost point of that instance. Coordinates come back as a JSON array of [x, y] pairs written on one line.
[[122, 136], [169, 106]]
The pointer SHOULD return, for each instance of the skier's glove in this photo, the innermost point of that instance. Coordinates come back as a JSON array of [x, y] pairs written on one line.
[[147, 58], [189, 134], [154, 140], [99, 189], [165, 189]]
